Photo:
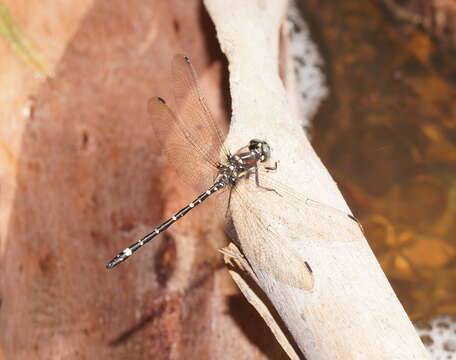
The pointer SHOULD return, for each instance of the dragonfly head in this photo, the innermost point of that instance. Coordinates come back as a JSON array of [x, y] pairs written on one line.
[[262, 148]]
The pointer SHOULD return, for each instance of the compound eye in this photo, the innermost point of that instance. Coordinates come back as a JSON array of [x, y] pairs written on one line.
[[253, 144]]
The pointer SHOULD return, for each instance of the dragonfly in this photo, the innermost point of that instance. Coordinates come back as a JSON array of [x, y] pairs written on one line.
[[194, 145]]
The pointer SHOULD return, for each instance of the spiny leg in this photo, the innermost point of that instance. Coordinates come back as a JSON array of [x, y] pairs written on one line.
[[257, 180]]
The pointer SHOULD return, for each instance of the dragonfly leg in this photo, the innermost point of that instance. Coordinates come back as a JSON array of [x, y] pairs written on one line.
[[272, 168], [257, 181], [228, 206]]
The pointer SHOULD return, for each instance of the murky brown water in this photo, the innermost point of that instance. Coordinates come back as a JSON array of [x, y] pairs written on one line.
[[387, 134]]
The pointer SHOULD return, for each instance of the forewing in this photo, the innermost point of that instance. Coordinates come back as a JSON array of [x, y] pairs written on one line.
[[322, 221], [190, 162], [193, 111]]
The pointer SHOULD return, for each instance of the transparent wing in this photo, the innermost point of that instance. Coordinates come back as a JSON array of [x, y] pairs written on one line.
[[266, 247], [266, 250], [190, 162], [323, 221], [193, 112]]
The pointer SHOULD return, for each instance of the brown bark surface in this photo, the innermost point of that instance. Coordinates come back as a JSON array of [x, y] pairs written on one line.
[[82, 178]]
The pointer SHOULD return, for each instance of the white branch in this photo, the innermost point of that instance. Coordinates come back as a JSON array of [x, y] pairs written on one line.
[[350, 312]]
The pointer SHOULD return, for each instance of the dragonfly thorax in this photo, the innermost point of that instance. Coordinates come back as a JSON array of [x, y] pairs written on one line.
[[230, 171], [244, 160]]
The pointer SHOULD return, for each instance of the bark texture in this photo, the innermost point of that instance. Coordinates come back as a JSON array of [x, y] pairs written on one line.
[[82, 177]]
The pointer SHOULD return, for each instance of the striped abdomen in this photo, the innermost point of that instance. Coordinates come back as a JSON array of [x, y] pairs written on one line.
[[125, 254]]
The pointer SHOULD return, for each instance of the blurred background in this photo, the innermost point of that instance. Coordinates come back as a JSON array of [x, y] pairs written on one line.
[[81, 175]]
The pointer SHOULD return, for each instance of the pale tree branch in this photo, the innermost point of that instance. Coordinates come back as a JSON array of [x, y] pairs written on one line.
[[325, 282]]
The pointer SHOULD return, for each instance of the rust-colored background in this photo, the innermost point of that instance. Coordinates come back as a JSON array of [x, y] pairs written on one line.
[[82, 177]]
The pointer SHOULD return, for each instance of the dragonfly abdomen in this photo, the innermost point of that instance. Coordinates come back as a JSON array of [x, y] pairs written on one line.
[[125, 254]]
